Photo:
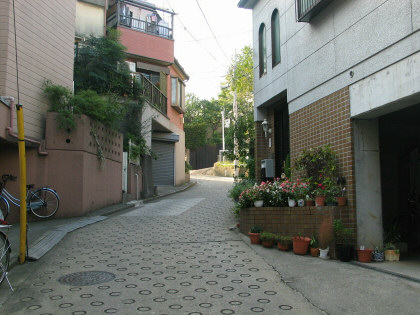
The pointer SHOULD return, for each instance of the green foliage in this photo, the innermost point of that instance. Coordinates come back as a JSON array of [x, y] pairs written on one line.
[[314, 242], [188, 167], [100, 66], [104, 109], [342, 234], [287, 169], [239, 187], [283, 239], [195, 135], [256, 229], [266, 236], [318, 162]]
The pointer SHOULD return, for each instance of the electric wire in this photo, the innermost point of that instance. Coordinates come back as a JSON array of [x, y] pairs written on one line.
[[194, 38], [211, 30]]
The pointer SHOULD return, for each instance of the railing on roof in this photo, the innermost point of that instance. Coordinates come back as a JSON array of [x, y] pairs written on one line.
[[152, 94], [307, 9], [140, 25]]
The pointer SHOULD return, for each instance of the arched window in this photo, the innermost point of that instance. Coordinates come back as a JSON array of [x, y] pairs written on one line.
[[262, 50], [275, 38]]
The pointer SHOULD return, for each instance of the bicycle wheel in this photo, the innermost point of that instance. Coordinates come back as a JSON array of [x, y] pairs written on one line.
[[4, 257], [4, 208], [44, 202]]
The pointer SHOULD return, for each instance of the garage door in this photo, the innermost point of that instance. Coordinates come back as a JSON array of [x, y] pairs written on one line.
[[163, 167]]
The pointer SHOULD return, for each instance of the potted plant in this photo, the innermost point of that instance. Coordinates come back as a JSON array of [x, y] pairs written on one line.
[[314, 247], [254, 234], [320, 195], [378, 254], [301, 192], [343, 246], [283, 242], [267, 239], [331, 191], [392, 253], [325, 237], [300, 244], [341, 198], [364, 255]]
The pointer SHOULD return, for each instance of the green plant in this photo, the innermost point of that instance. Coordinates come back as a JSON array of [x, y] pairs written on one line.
[[314, 242], [256, 229], [239, 187], [287, 168], [390, 246], [266, 236], [188, 167], [236, 209], [377, 250], [341, 233], [285, 240], [341, 181], [392, 234]]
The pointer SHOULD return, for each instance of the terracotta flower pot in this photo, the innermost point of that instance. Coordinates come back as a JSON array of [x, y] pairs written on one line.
[[320, 201], [314, 252], [364, 255], [284, 247], [268, 243], [310, 203], [341, 201], [300, 245], [254, 237]]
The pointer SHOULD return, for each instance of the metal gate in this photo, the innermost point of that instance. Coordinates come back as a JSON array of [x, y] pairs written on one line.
[[163, 169]]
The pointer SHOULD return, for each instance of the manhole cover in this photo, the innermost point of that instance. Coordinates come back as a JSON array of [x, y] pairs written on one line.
[[86, 278]]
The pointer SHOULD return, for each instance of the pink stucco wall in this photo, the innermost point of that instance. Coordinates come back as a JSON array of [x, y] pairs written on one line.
[[147, 45], [71, 168]]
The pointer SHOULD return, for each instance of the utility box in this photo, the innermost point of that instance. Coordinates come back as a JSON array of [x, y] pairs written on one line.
[[267, 168]]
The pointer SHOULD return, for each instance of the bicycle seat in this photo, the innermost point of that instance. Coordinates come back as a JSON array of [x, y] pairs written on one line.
[[30, 186]]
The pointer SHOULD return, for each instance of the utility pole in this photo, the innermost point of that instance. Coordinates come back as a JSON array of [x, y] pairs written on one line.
[[235, 119]]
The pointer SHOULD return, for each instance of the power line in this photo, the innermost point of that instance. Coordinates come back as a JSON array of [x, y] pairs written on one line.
[[193, 37], [214, 36], [220, 36]]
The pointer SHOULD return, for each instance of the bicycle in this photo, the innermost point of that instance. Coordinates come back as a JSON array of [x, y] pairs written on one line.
[[5, 249], [42, 202]]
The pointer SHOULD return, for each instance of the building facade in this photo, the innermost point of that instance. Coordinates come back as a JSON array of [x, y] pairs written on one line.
[[346, 74], [147, 32]]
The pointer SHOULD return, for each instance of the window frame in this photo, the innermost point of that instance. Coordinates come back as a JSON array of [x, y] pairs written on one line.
[[275, 38], [262, 50]]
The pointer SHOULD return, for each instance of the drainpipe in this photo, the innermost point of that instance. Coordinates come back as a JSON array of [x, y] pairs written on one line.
[[137, 186], [14, 135]]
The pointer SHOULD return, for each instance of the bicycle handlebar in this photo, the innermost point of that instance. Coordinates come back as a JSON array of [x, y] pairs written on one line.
[[6, 177]]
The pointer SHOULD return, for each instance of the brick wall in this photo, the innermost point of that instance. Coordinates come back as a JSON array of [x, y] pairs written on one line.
[[288, 221], [327, 121]]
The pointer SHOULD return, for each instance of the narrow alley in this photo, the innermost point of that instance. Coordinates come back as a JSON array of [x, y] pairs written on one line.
[[176, 255]]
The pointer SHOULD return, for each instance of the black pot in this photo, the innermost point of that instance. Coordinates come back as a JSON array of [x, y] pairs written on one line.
[[344, 252]]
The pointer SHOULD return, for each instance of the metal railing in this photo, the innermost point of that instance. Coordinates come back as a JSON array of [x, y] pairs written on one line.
[[151, 92], [147, 27], [307, 9]]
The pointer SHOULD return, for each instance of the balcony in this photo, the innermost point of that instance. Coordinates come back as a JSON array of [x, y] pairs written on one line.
[[308, 9], [141, 16], [152, 94]]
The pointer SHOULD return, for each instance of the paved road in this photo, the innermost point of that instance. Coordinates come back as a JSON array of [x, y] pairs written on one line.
[[174, 256]]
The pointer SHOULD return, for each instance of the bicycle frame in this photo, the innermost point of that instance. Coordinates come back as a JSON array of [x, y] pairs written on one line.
[[16, 201]]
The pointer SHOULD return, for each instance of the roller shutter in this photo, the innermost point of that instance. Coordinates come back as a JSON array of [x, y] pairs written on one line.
[[163, 168]]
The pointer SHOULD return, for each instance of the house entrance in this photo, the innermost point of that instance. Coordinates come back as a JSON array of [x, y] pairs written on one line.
[[399, 140]]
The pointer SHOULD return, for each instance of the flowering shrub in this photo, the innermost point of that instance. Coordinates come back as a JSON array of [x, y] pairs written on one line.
[[248, 196]]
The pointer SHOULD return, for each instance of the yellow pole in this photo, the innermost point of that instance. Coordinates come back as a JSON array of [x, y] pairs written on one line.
[[22, 168]]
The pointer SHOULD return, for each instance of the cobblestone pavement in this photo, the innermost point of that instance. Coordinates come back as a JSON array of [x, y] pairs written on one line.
[[173, 256]]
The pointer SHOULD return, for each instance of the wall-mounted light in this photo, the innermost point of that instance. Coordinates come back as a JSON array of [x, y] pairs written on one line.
[[266, 128]]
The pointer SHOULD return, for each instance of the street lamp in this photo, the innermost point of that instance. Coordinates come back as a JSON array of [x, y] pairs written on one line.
[[266, 127]]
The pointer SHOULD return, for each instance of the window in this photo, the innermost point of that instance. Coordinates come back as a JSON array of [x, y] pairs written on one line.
[[262, 49], [275, 38], [177, 94], [307, 9]]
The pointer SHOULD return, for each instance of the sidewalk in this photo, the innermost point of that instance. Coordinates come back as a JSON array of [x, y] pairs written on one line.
[[44, 235]]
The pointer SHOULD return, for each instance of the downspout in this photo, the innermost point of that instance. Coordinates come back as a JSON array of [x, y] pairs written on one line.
[[14, 135]]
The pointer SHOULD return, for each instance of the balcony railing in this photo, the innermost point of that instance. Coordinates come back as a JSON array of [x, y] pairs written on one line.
[[140, 25], [152, 94], [308, 9]]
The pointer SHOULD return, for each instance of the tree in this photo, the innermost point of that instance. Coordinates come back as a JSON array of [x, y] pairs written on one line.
[[239, 78]]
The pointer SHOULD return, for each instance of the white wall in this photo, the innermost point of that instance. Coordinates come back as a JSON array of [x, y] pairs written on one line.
[[358, 35]]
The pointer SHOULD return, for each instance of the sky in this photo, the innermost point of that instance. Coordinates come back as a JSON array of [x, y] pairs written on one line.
[[204, 58]]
